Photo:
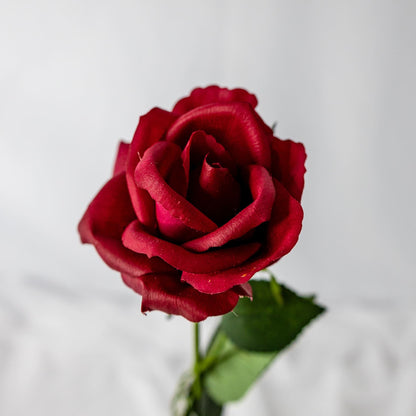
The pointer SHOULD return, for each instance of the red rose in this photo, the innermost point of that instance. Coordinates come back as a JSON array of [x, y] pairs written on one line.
[[201, 199]]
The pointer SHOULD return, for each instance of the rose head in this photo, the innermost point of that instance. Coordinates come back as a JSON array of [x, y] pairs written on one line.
[[201, 199]]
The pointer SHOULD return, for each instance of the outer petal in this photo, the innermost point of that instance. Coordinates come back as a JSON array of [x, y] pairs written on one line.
[[211, 95], [137, 239], [152, 126], [282, 234], [121, 158], [234, 125], [259, 211], [165, 292], [288, 165], [103, 224]]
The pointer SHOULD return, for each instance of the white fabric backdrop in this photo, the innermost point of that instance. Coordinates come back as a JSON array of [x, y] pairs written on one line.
[[74, 78]]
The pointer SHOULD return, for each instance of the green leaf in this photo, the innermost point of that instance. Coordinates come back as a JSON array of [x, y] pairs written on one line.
[[233, 370], [244, 345], [272, 320]]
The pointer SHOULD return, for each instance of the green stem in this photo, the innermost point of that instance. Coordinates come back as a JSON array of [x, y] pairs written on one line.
[[197, 363], [196, 343]]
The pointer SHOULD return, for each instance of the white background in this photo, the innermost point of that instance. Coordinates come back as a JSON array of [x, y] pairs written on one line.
[[74, 78]]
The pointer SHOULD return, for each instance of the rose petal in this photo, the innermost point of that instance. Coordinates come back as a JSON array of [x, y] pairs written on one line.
[[213, 94], [215, 193], [233, 125], [149, 176], [244, 290], [176, 178], [170, 167], [172, 228], [282, 234], [137, 239], [103, 224], [165, 292], [201, 146], [121, 159], [259, 211], [288, 165], [151, 128]]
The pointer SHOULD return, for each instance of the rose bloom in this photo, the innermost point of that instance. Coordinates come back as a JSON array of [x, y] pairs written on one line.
[[201, 199]]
